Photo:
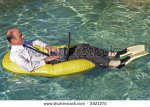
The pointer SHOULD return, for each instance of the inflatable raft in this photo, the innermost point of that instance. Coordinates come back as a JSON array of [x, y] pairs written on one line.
[[68, 67], [62, 68]]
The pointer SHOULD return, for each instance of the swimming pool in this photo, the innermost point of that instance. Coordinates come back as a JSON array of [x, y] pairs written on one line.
[[102, 23]]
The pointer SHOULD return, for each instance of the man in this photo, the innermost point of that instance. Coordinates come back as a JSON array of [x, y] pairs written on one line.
[[31, 60]]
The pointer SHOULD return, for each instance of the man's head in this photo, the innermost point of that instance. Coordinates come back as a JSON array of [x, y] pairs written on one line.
[[15, 37]]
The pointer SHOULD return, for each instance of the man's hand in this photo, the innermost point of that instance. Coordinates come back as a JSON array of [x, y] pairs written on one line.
[[52, 49], [51, 58]]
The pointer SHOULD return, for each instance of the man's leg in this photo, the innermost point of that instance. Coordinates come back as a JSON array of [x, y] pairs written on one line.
[[97, 55], [118, 53], [119, 63], [81, 50]]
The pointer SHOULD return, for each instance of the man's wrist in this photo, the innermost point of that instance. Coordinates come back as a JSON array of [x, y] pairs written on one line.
[[47, 47], [45, 60]]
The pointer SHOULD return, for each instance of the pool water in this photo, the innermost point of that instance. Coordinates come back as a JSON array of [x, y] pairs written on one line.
[[101, 23]]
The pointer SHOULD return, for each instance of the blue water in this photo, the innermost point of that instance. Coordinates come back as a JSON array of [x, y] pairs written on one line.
[[101, 23]]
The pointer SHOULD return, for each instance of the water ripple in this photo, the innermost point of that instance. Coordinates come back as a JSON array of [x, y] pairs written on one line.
[[119, 23]]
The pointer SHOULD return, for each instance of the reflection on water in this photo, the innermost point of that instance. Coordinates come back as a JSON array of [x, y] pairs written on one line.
[[117, 23], [135, 2]]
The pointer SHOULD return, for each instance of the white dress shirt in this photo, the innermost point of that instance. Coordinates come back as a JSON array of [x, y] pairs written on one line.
[[27, 58]]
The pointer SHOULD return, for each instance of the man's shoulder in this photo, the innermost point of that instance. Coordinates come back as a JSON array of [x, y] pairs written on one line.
[[16, 53], [13, 55]]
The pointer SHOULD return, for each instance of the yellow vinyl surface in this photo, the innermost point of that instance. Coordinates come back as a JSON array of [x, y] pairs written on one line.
[[63, 68]]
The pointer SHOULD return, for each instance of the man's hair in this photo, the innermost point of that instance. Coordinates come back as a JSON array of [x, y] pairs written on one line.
[[10, 36]]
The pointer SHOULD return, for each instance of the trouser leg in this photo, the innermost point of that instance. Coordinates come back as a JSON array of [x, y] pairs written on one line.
[[85, 51]]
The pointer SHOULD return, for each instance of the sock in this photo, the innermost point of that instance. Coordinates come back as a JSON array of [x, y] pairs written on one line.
[[121, 52], [123, 61]]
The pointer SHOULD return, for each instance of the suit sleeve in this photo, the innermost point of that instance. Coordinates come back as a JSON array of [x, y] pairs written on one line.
[[27, 64], [39, 43]]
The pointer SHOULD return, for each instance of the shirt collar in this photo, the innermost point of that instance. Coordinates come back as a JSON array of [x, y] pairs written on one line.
[[16, 47]]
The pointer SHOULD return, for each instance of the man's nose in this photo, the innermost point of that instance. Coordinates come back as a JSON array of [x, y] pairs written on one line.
[[23, 36]]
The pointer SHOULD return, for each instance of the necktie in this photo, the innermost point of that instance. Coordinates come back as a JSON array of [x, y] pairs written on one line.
[[27, 46], [63, 54]]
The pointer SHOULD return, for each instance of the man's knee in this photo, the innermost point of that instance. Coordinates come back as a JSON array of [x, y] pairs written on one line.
[[83, 45]]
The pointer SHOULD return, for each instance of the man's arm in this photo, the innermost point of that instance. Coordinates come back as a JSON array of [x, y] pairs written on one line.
[[39, 43], [29, 65], [50, 58], [44, 45], [52, 49]]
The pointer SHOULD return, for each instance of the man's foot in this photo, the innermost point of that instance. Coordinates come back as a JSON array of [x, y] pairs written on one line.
[[121, 52], [123, 61]]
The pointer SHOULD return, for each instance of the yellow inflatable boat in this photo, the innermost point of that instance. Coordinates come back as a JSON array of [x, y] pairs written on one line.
[[63, 68], [68, 67]]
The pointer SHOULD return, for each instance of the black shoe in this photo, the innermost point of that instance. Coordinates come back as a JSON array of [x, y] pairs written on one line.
[[123, 61], [121, 52]]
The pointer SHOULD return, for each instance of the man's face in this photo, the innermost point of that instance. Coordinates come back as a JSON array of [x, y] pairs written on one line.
[[18, 38]]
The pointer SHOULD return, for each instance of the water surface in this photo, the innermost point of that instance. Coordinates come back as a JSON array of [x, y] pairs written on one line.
[[101, 23]]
